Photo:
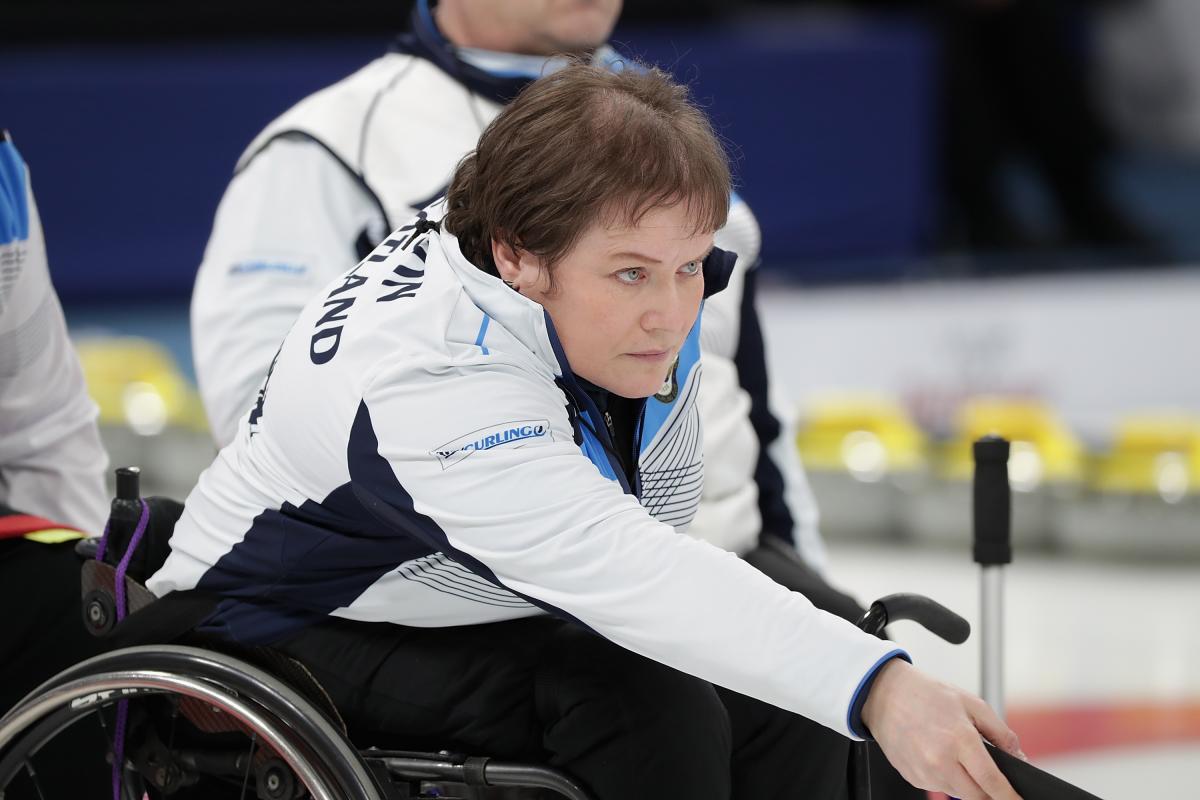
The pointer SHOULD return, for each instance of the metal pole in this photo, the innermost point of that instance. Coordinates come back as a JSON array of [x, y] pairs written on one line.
[[991, 605], [992, 550]]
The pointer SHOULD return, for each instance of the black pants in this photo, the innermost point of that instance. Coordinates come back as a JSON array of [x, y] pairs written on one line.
[[549, 691], [42, 625], [42, 633]]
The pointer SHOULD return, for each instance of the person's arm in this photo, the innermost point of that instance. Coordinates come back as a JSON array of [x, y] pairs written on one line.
[[51, 460], [531, 514], [536, 517], [286, 226]]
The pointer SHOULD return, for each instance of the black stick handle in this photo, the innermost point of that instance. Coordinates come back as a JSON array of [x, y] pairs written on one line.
[[128, 480], [1034, 784], [993, 502]]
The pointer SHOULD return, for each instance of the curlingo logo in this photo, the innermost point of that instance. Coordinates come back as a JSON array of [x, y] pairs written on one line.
[[508, 433]]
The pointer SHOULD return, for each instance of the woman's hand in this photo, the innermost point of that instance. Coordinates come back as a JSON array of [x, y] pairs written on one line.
[[931, 732]]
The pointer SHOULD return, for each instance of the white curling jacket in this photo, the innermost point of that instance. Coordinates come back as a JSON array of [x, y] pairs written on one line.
[[421, 454]]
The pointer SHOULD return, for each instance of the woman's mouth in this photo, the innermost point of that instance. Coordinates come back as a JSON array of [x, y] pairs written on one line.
[[651, 356]]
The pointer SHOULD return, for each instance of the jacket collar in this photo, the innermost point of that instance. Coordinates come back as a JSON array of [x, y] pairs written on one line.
[[517, 314], [496, 76]]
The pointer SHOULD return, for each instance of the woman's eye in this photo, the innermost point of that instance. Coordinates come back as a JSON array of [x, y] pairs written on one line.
[[631, 275], [691, 268]]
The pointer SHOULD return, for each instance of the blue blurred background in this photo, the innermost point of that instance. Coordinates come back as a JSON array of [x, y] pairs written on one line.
[[132, 143], [843, 122]]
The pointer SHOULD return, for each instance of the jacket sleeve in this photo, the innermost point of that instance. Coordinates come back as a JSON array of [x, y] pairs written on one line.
[[286, 226], [534, 515], [52, 462]]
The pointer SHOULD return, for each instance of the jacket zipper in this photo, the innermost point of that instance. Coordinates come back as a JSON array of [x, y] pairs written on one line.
[[612, 437], [636, 477], [637, 451], [610, 446]]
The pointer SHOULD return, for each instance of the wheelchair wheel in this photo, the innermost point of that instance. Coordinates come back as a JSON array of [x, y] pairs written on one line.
[[198, 724]]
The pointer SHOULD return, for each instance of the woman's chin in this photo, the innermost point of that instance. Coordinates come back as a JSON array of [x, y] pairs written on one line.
[[635, 389]]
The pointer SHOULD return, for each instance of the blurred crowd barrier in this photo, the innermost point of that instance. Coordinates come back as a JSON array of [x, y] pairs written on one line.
[[878, 476], [1090, 377]]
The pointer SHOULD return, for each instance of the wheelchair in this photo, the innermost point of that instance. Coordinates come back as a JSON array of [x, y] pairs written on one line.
[[218, 720]]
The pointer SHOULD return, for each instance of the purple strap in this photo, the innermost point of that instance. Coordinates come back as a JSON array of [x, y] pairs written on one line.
[[118, 763], [124, 565], [119, 747], [103, 541]]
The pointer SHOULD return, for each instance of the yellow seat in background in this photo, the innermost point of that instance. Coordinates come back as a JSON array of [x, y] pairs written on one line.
[[1153, 453], [1044, 450], [137, 384], [868, 436]]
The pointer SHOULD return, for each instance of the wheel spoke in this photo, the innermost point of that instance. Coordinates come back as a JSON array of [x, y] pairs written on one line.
[[131, 788], [174, 718], [99, 713], [249, 764], [33, 777]]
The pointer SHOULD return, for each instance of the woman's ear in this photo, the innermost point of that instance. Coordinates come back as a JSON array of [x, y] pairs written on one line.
[[516, 267], [508, 262]]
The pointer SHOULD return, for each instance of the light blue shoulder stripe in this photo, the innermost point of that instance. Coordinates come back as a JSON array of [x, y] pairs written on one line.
[[483, 326], [14, 201]]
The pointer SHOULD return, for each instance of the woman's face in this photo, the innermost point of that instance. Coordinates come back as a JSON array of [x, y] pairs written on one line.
[[624, 298]]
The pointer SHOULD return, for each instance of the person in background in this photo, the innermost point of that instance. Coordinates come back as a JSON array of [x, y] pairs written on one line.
[[51, 464]]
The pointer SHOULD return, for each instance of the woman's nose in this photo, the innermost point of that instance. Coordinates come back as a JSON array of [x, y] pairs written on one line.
[[673, 308]]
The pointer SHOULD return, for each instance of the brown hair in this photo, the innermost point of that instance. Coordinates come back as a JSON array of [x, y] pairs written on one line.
[[585, 145]]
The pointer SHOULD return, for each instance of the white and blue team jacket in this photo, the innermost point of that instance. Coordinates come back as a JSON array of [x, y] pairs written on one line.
[[422, 455]]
